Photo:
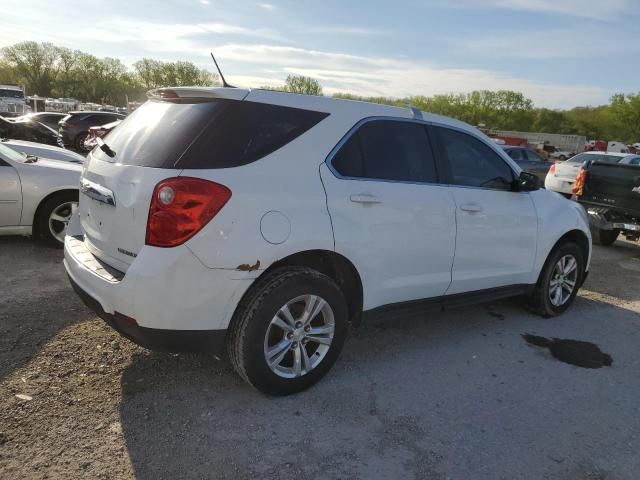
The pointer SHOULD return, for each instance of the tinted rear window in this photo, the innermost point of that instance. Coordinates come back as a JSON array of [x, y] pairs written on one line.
[[218, 134]]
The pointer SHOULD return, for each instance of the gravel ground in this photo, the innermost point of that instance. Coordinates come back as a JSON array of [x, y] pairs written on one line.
[[455, 395]]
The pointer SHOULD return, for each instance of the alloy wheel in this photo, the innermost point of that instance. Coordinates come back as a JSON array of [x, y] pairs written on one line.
[[563, 280], [299, 336], [59, 219]]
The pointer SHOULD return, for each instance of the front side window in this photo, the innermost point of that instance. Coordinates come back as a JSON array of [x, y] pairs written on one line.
[[472, 163], [388, 150]]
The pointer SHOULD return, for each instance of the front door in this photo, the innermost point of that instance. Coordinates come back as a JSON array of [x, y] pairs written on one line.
[[10, 195], [497, 227], [390, 215]]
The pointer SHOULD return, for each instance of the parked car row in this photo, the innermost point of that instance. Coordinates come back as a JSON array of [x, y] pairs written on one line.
[[75, 127]]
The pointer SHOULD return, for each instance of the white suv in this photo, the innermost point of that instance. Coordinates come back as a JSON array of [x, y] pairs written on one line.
[[266, 221]]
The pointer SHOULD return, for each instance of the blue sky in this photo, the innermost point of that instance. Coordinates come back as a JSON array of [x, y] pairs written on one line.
[[561, 53]]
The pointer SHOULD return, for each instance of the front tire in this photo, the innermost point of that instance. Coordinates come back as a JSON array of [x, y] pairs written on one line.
[[53, 217], [288, 331], [559, 281]]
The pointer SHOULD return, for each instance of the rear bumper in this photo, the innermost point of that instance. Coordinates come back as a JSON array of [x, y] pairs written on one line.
[[161, 340], [560, 185], [167, 292]]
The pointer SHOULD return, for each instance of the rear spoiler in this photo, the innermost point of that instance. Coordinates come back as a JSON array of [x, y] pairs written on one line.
[[197, 94]]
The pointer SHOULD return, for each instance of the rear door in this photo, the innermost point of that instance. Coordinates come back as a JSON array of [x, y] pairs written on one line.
[[390, 215], [497, 227]]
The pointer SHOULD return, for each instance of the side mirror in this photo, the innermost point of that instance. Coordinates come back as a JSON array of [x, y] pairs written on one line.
[[528, 182]]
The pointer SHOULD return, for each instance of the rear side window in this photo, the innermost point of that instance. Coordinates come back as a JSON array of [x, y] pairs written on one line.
[[388, 150], [217, 134], [246, 132], [472, 163]]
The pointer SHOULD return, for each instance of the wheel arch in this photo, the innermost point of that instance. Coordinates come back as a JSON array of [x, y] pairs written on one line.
[[579, 238], [337, 267], [34, 222]]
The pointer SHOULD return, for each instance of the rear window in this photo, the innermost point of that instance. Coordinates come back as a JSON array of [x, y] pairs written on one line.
[[604, 158], [217, 134]]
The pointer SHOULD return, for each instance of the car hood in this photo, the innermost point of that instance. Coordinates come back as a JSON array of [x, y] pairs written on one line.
[[57, 165]]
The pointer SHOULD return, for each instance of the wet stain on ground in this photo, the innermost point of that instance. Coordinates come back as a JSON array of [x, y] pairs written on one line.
[[574, 352]]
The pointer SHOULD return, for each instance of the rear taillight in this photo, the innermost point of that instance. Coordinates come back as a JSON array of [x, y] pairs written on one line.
[[180, 207], [552, 170], [578, 185]]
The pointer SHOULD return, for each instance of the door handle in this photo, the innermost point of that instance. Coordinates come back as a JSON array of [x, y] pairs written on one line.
[[471, 207], [364, 198]]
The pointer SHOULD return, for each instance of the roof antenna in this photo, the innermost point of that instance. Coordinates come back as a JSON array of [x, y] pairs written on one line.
[[224, 82], [417, 113]]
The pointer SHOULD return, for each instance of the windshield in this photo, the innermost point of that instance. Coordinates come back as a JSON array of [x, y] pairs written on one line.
[[11, 154], [6, 92]]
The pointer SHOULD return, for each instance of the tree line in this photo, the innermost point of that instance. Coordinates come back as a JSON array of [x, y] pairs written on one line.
[[52, 71]]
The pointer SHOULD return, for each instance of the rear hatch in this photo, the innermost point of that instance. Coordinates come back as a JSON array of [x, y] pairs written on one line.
[[147, 147], [616, 186]]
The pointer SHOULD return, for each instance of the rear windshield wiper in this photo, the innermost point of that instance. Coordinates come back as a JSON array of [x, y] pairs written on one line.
[[31, 159], [105, 148]]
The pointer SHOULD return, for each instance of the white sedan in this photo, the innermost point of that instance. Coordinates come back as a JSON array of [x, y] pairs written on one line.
[[562, 175], [37, 195], [42, 150]]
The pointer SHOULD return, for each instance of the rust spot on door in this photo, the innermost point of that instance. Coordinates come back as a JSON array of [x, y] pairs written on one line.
[[245, 267]]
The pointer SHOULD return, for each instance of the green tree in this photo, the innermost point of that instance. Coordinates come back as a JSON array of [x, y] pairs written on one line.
[[156, 74], [302, 84], [35, 64], [625, 115]]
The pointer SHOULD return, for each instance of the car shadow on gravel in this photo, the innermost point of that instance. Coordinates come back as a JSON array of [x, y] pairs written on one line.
[[36, 300], [407, 399]]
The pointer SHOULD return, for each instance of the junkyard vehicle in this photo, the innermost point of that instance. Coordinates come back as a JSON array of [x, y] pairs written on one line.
[[50, 119], [28, 130], [529, 161], [98, 132], [74, 128], [43, 151], [611, 194], [37, 195], [12, 102], [266, 221], [562, 176]]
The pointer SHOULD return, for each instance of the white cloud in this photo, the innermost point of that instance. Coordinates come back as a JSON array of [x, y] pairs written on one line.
[[392, 77], [573, 43], [596, 9], [205, 2], [267, 6]]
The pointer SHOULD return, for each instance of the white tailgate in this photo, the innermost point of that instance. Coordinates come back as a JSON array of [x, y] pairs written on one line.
[[114, 206]]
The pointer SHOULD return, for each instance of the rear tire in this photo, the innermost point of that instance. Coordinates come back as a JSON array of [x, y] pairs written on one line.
[[544, 300], [606, 238], [256, 333], [54, 215], [79, 143]]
